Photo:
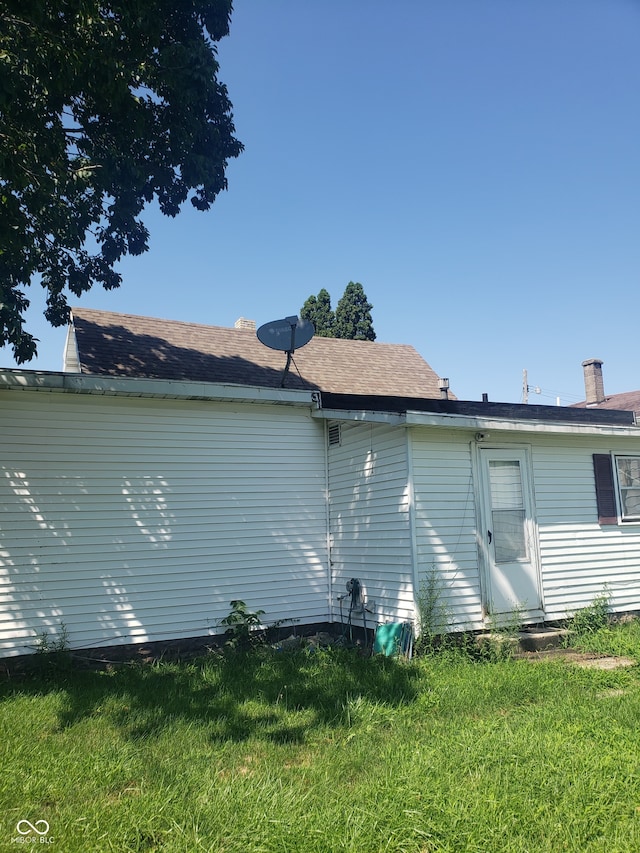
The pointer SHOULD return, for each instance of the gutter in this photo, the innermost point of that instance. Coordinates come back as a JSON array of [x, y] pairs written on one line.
[[518, 425], [83, 383], [475, 424]]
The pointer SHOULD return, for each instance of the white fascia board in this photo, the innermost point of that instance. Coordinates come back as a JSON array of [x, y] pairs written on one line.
[[360, 415], [81, 383], [512, 425], [70, 359]]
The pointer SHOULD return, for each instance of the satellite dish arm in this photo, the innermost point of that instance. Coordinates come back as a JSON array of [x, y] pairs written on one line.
[[286, 368], [293, 321]]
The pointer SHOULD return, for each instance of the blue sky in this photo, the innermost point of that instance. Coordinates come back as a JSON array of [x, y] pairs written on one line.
[[475, 164]]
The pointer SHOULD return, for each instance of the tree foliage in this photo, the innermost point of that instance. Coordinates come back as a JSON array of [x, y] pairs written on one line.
[[353, 315], [352, 318], [105, 105], [318, 310]]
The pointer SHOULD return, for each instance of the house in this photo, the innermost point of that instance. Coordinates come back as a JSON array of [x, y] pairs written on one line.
[[168, 472]]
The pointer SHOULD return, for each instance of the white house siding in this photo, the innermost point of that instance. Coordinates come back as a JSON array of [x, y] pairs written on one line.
[[445, 526], [581, 559], [370, 534], [132, 519]]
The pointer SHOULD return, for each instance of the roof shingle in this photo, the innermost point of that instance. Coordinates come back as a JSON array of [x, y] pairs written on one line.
[[628, 401], [111, 344]]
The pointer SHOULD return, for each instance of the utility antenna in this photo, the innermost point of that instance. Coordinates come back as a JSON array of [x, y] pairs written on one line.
[[286, 335], [526, 387]]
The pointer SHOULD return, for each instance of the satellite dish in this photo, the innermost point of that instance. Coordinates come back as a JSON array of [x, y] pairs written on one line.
[[286, 335]]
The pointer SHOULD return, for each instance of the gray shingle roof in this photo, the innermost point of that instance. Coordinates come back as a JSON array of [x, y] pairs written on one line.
[[112, 344]]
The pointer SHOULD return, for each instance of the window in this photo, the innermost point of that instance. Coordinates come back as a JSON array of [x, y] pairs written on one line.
[[507, 510], [617, 481], [628, 471]]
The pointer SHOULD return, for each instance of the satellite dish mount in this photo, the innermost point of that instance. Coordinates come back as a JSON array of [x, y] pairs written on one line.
[[286, 335]]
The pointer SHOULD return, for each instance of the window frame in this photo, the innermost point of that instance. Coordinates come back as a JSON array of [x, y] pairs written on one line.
[[623, 516]]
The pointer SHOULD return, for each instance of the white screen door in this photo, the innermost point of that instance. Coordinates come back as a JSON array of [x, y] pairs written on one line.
[[507, 533]]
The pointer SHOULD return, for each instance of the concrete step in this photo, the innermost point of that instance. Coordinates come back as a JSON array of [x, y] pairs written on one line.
[[533, 639], [541, 639]]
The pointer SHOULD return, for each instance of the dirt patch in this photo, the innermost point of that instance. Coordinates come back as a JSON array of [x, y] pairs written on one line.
[[614, 693], [588, 660], [609, 662]]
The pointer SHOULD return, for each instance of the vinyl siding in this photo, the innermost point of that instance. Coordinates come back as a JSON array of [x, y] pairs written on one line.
[[369, 500], [445, 526], [580, 558], [136, 520]]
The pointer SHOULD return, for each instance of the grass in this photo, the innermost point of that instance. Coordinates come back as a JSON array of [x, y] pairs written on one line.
[[328, 751]]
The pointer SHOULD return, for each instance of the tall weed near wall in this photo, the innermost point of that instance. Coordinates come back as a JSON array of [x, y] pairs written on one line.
[[433, 613]]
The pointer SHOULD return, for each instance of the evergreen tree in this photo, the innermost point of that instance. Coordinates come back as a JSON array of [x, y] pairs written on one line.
[[317, 309], [353, 315]]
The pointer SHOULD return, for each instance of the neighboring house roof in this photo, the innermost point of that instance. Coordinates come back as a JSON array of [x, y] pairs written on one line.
[[629, 401], [594, 391], [109, 344]]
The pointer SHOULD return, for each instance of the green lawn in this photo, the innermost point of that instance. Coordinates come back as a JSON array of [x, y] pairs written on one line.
[[326, 751]]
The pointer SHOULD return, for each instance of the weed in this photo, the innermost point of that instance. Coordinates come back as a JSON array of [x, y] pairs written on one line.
[[501, 640], [591, 619], [241, 624], [433, 613], [53, 653]]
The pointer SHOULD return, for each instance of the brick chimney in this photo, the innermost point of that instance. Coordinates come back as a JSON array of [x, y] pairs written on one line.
[[242, 323], [593, 381]]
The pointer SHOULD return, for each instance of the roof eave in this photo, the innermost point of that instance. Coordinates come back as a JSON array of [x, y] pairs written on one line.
[[365, 415], [76, 383], [483, 424], [476, 424]]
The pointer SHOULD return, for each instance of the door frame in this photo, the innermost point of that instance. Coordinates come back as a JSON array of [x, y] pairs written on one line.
[[485, 559]]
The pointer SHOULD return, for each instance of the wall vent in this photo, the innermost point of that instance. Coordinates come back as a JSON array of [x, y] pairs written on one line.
[[334, 434]]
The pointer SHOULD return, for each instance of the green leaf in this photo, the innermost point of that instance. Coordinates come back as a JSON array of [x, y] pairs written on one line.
[[104, 107]]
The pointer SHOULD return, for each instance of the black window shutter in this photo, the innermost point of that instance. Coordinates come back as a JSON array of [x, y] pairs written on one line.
[[605, 489]]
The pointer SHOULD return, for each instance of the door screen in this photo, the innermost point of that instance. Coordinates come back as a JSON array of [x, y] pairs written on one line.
[[507, 511]]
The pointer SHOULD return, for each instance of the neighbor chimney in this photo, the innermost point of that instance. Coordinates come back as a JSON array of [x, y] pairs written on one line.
[[249, 325], [593, 382]]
